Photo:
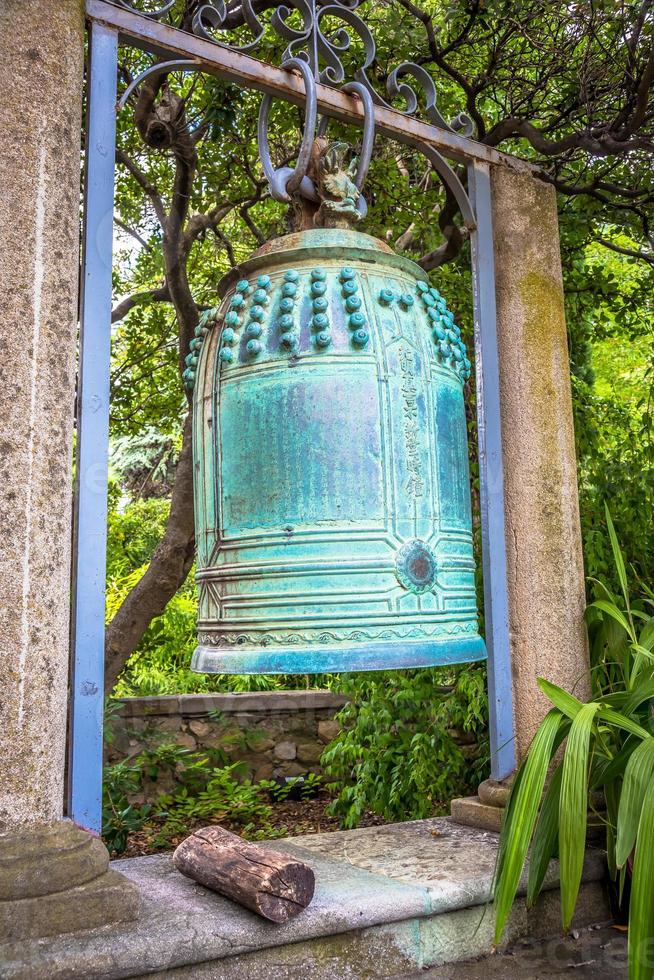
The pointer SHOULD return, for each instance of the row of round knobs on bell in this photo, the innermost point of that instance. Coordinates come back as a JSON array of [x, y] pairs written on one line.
[[207, 319], [446, 334], [256, 315], [289, 335], [356, 319]]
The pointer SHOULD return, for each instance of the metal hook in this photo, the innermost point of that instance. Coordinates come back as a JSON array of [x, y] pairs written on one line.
[[285, 181], [368, 140]]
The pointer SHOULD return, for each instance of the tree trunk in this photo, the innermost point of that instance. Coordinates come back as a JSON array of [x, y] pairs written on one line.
[[167, 570], [274, 885]]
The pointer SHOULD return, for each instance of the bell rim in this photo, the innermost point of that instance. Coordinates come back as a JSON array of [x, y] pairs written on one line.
[[374, 655]]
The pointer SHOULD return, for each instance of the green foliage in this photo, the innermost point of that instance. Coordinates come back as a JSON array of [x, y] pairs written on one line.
[[522, 812], [145, 463], [224, 797], [609, 747], [610, 309], [209, 788], [398, 753], [133, 532], [295, 787]]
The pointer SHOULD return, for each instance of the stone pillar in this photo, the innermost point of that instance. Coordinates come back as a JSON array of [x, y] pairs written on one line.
[[543, 532], [41, 855]]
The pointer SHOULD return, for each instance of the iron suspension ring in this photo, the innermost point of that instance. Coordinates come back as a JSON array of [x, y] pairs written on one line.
[[368, 140], [285, 181]]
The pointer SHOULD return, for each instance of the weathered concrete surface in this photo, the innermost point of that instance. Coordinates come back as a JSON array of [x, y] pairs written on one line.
[[454, 863], [494, 792], [103, 901], [545, 566], [388, 901], [27, 860], [182, 923], [55, 878], [41, 65], [472, 812], [387, 951]]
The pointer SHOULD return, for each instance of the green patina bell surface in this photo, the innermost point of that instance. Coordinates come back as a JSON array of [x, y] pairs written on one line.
[[332, 498]]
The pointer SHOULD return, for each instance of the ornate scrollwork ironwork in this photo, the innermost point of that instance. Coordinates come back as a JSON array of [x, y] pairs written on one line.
[[211, 17], [316, 52], [322, 49]]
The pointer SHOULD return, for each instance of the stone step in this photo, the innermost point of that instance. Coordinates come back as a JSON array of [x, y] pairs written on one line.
[[389, 901]]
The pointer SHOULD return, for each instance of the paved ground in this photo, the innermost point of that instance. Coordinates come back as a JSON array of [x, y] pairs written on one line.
[[597, 953], [387, 899]]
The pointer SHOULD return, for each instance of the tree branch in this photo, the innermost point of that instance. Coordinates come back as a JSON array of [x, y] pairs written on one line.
[[244, 212], [120, 311], [631, 252], [454, 236], [199, 223], [134, 234], [601, 145]]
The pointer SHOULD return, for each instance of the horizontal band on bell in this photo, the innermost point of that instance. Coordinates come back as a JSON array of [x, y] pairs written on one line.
[[378, 655]]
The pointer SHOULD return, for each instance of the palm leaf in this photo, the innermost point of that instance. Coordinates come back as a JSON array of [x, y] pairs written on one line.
[[573, 808], [612, 796], [566, 703], [617, 556], [545, 837], [603, 587], [646, 638], [645, 652], [644, 692], [637, 777], [606, 770], [641, 908], [522, 810], [620, 720], [612, 611]]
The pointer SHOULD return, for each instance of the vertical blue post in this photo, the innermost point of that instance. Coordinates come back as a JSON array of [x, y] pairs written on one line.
[[491, 479], [90, 524]]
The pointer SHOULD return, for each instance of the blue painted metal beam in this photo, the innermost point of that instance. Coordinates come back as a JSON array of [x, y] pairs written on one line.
[[491, 479], [90, 527]]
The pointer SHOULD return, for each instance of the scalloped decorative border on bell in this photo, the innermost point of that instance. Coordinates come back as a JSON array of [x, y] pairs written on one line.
[[332, 490]]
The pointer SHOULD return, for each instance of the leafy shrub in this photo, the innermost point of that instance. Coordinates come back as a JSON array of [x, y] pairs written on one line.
[[609, 314], [209, 788], [145, 463], [120, 817], [134, 529], [399, 753], [224, 798], [293, 787]]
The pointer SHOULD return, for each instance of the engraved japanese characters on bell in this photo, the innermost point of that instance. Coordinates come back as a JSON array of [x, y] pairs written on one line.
[[415, 484]]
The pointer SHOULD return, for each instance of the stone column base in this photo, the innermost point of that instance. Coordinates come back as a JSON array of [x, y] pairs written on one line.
[[55, 878], [485, 810]]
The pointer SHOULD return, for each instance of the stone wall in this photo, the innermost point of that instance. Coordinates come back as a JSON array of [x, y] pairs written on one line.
[[274, 733]]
